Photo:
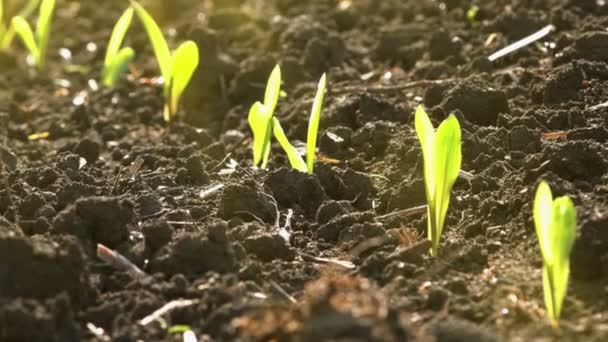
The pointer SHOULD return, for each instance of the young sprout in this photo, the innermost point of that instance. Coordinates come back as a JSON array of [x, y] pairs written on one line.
[[36, 43], [555, 223], [176, 69], [117, 60], [260, 118], [8, 33], [313, 124], [295, 159], [442, 156], [472, 13]]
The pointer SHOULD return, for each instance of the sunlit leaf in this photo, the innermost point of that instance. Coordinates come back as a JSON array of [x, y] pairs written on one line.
[[118, 35], [159, 44], [118, 66], [260, 122], [442, 157], [43, 29], [313, 124], [555, 223], [295, 159], [183, 64], [24, 31], [273, 89]]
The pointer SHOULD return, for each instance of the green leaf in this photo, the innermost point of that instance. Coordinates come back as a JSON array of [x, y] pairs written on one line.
[[273, 89], [2, 27], [442, 156], [426, 136], [159, 44], [29, 8], [117, 67], [43, 29], [260, 122], [179, 328], [555, 223], [472, 13], [543, 216], [118, 35], [24, 31], [447, 157], [295, 159], [183, 64], [313, 124]]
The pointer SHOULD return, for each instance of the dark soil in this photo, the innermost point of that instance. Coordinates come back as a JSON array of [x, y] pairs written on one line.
[[283, 256]]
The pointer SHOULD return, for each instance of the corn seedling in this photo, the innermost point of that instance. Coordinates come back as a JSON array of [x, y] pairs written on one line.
[[313, 124], [555, 223], [260, 118], [295, 159], [176, 69], [7, 32], [37, 42], [442, 156], [117, 60], [472, 13]]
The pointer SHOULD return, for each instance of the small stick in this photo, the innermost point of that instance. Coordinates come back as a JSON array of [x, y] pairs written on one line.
[[282, 292], [284, 231], [172, 305], [118, 261], [189, 336], [405, 212], [466, 175], [206, 193], [521, 43], [344, 264], [136, 166]]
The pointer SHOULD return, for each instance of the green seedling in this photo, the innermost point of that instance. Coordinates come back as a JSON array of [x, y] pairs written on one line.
[[117, 60], [295, 159], [313, 124], [555, 223], [176, 69], [442, 156], [37, 42], [260, 118], [7, 32], [472, 13]]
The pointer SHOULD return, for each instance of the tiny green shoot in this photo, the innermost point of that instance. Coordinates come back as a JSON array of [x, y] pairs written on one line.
[[2, 26], [117, 60], [442, 156], [472, 13], [260, 118], [313, 124], [176, 69], [37, 42], [555, 223], [295, 159], [178, 329], [8, 33]]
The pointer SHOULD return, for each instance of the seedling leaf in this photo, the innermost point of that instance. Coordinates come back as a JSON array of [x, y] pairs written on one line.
[[260, 121], [118, 35], [23, 29], [295, 159], [555, 223], [273, 89], [159, 44], [442, 156], [313, 124], [9, 34], [118, 66], [183, 65], [43, 29]]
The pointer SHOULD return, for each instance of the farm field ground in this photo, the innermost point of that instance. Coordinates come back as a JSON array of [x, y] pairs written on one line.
[[279, 255]]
